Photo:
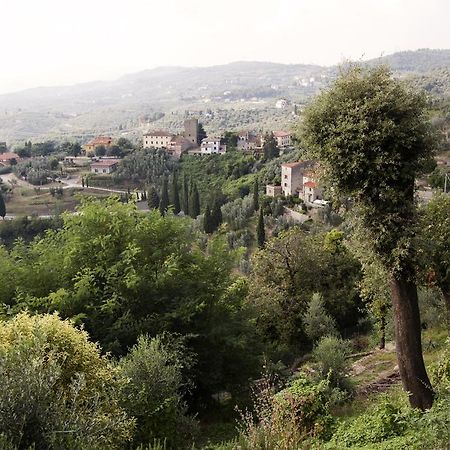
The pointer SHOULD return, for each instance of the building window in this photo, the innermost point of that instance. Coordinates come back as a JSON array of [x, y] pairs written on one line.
[[285, 177], [285, 184]]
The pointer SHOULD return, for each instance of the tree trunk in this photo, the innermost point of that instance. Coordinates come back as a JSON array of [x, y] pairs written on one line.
[[446, 294], [409, 344], [383, 331]]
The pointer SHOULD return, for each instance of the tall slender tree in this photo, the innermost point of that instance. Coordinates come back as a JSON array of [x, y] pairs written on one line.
[[270, 147], [260, 230], [216, 214], [175, 195], [208, 226], [2, 206], [256, 195], [185, 204], [194, 201], [164, 200], [372, 136], [153, 198]]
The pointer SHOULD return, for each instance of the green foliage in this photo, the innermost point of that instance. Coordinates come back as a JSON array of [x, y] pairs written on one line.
[[260, 230], [123, 273], [194, 201], [286, 420], [145, 166], [270, 147], [164, 199], [175, 194], [57, 390], [153, 198], [2, 206], [285, 275], [317, 322], [330, 355], [372, 136], [153, 395], [26, 228], [384, 421]]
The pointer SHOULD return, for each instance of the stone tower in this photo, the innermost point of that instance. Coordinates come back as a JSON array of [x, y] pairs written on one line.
[[191, 130]]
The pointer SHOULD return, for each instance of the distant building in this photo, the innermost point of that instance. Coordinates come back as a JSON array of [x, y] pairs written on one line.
[[248, 141], [283, 138], [211, 146], [272, 190], [178, 145], [191, 130], [105, 141], [3, 147], [158, 139], [104, 166], [9, 159], [281, 103], [311, 190], [292, 177]]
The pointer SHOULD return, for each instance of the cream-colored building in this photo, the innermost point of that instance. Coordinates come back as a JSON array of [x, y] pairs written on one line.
[[212, 145], [292, 177], [273, 190], [283, 138], [311, 190], [157, 139], [99, 141]]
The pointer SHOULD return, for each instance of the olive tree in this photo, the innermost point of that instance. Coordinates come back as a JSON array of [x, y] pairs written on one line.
[[372, 137]]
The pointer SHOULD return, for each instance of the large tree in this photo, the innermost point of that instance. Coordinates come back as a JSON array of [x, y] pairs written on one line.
[[372, 136]]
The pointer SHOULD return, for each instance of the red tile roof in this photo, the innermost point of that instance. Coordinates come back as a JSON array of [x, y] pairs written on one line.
[[158, 133], [310, 184], [101, 140], [294, 164], [281, 133], [104, 163], [7, 156]]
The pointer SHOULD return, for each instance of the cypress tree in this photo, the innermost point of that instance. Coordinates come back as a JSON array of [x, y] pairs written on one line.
[[153, 198], [256, 195], [194, 202], [185, 195], [207, 221], [2, 206], [175, 195], [164, 201], [216, 215], [261, 233]]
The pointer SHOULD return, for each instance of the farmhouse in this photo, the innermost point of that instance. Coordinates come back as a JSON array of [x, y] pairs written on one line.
[[104, 166]]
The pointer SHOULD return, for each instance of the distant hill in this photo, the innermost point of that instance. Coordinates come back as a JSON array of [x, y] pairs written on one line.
[[240, 94], [418, 61]]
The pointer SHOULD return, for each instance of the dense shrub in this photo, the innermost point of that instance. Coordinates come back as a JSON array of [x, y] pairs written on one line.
[[330, 355], [317, 322], [153, 395], [57, 390]]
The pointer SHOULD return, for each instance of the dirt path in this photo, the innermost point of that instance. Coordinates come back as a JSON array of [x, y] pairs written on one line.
[[377, 371]]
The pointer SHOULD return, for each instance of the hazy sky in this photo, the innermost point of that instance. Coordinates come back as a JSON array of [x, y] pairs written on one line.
[[51, 42]]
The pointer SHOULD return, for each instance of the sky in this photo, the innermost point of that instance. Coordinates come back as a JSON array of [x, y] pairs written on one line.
[[60, 42]]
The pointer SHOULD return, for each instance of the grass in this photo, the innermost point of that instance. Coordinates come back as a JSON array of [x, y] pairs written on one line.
[[27, 201]]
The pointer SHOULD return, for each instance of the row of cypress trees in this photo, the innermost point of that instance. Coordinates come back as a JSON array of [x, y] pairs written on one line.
[[189, 202], [190, 205]]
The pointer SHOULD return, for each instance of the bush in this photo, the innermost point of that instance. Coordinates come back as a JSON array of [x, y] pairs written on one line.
[[288, 419], [57, 390], [317, 322], [153, 394], [384, 421], [330, 355]]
